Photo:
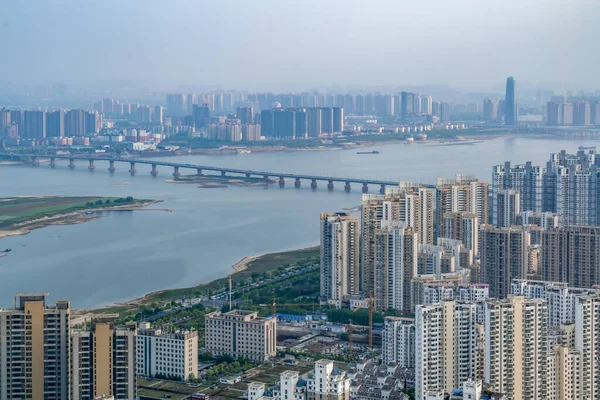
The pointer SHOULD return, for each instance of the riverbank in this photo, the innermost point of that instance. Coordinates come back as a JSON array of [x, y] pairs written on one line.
[[244, 269], [21, 215]]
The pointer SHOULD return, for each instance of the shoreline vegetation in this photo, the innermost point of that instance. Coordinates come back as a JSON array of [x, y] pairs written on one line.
[[21, 215], [244, 269]]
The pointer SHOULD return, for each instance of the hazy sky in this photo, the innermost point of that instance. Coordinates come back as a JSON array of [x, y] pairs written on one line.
[[245, 43]]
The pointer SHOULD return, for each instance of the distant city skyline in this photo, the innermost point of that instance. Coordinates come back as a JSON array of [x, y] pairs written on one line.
[[274, 45]]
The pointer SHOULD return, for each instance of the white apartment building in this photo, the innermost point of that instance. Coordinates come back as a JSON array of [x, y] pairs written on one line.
[[169, 354], [328, 382], [516, 347], [561, 298], [398, 341], [445, 336], [340, 256], [240, 333]]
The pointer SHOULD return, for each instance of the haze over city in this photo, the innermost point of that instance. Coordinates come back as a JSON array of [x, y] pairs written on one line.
[[297, 45]]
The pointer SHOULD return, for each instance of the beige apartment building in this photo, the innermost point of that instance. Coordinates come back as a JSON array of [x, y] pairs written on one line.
[[462, 194], [240, 333], [516, 343], [34, 349], [103, 360]]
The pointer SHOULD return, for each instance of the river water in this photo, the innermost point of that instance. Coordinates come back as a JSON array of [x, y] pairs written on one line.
[[124, 255]]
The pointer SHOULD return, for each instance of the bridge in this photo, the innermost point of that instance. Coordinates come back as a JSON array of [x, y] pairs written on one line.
[[34, 159]]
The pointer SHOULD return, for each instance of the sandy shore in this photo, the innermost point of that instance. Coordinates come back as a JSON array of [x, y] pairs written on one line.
[[244, 262]]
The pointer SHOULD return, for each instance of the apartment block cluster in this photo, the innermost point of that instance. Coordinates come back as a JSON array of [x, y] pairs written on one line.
[[43, 357], [538, 343], [576, 112], [47, 126]]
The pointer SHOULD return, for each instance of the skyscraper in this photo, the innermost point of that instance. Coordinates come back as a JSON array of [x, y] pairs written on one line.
[[314, 121], [104, 360], [200, 115], [4, 121], [75, 123], [407, 100], [245, 115], [511, 112], [34, 354], [340, 273], [327, 120], [503, 255], [157, 115], [445, 335]]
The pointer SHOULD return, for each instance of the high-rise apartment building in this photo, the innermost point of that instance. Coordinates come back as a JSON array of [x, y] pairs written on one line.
[[509, 206], [176, 105], [516, 347], [490, 110], [395, 265], [571, 254], [503, 257], [463, 226], [55, 124], [511, 111], [200, 114], [4, 121], [158, 115], [75, 123], [398, 341], [527, 179], [34, 124], [245, 115], [462, 194], [560, 297], [240, 333], [407, 100], [581, 113], [167, 354], [338, 120], [340, 259], [144, 114], [34, 350], [444, 112], [587, 342], [445, 355], [103, 360], [567, 374]]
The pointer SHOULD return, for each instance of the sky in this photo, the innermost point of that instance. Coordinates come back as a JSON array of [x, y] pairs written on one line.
[[245, 44]]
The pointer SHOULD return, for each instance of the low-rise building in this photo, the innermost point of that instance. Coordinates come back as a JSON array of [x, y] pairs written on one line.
[[167, 354], [240, 333]]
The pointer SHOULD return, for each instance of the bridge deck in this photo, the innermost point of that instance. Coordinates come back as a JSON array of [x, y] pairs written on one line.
[[218, 169]]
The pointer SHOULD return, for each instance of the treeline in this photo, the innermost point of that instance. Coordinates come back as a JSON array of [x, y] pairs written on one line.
[[100, 202]]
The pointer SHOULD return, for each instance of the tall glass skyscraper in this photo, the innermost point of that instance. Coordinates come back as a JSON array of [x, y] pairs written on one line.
[[510, 116]]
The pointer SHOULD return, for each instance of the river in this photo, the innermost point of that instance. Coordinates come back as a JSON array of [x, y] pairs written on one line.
[[124, 255]]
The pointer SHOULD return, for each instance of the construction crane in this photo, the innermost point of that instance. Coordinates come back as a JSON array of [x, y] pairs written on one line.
[[370, 301]]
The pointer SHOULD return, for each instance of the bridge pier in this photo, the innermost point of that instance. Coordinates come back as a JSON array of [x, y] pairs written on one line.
[[347, 187], [132, 168], [199, 171], [176, 173], [247, 175], [35, 161], [52, 162], [297, 183], [91, 167], [382, 189], [313, 184], [111, 166], [223, 173], [330, 186], [154, 171], [365, 188], [281, 182], [71, 163]]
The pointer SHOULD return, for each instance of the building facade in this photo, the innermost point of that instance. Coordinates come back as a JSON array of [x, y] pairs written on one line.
[[240, 333]]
